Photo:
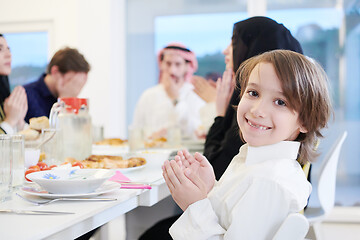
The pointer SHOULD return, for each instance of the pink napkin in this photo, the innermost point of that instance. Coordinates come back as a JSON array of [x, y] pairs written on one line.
[[121, 178]]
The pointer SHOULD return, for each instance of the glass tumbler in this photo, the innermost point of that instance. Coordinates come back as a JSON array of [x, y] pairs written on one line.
[[18, 160], [5, 166], [53, 146], [97, 133], [136, 138]]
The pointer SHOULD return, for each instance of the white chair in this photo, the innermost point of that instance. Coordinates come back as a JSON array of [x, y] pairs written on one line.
[[325, 188], [294, 227]]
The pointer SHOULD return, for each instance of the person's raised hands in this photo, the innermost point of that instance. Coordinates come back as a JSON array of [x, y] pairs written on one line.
[[224, 89], [206, 89], [185, 186], [15, 107], [199, 165]]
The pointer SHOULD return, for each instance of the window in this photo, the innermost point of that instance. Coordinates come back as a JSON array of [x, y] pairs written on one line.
[[29, 56]]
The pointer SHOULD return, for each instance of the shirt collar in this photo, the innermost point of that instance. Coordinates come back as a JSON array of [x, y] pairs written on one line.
[[281, 150]]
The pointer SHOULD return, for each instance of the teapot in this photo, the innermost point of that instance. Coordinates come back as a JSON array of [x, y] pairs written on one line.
[[71, 117]]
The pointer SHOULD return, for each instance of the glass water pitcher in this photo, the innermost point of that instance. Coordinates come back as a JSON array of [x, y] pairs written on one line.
[[71, 117]]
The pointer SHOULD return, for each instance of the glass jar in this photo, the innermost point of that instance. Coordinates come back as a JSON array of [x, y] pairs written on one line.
[[71, 117]]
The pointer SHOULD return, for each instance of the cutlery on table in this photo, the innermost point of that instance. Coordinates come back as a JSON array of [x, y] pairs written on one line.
[[32, 212], [64, 199]]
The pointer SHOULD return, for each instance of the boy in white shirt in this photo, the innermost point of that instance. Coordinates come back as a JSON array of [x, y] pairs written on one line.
[[284, 105]]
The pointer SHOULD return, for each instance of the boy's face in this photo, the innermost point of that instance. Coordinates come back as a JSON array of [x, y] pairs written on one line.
[[263, 114], [5, 58]]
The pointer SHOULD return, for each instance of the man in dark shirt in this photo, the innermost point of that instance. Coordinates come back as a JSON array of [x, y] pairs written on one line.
[[66, 76]]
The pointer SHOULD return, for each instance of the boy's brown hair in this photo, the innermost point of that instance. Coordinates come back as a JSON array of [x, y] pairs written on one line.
[[304, 84], [69, 59]]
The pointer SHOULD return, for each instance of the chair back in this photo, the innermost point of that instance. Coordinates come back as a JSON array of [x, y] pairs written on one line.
[[327, 175], [294, 227]]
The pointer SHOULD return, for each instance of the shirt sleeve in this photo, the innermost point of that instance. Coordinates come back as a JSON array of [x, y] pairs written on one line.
[[6, 128], [199, 221], [256, 214]]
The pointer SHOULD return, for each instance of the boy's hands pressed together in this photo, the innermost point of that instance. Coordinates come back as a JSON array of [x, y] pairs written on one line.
[[184, 185], [199, 165]]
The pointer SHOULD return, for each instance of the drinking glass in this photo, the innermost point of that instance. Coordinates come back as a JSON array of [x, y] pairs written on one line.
[[5, 166], [18, 160], [53, 147], [97, 133], [136, 138]]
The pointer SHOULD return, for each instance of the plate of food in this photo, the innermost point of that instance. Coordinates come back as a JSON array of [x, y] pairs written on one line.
[[112, 142], [122, 163]]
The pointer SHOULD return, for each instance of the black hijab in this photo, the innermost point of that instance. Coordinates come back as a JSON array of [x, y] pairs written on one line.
[[4, 86], [257, 35]]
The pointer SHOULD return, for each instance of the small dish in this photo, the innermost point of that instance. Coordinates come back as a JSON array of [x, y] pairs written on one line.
[[71, 181]]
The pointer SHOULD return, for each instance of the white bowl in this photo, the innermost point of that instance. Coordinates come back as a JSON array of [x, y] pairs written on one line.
[[71, 181], [32, 156]]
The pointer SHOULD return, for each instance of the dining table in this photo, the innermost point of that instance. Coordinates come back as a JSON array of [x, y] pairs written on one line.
[[84, 215]]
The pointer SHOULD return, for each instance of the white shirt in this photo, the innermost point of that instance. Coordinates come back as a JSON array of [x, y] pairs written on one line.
[[155, 110], [260, 187]]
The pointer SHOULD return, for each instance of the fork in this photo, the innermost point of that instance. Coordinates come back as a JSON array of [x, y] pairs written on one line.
[[64, 199]]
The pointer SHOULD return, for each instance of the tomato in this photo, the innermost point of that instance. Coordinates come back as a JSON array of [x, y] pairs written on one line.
[[42, 165], [78, 164], [36, 167], [30, 170], [52, 166]]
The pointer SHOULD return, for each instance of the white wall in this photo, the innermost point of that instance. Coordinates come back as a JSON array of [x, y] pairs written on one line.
[[97, 29]]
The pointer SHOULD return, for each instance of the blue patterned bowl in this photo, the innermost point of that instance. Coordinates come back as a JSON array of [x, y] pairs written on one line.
[[71, 181]]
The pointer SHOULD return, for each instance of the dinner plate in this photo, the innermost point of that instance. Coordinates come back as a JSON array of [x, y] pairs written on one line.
[[38, 191]]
